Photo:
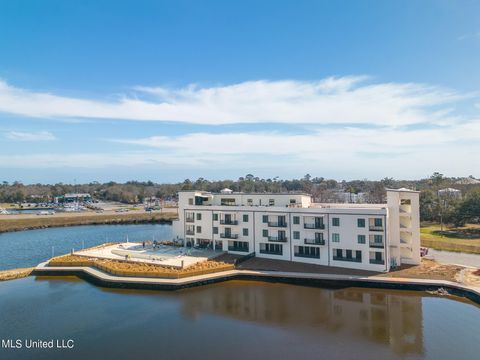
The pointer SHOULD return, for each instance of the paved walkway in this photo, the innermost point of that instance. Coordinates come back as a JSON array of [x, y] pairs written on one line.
[[457, 258]]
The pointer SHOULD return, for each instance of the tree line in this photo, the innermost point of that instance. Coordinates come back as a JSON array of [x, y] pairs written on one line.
[[433, 207]]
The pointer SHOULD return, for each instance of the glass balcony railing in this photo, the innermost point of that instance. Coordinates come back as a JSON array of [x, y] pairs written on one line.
[[314, 241], [228, 222], [314, 226], [228, 236], [277, 224], [277, 238]]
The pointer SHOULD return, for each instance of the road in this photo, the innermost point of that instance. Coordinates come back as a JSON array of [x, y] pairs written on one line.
[[449, 257]]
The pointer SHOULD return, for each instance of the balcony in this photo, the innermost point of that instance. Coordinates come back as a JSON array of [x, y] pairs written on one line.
[[277, 224], [189, 219], [270, 252], [377, 262], [228, 222], [228, 236], [190, 232], [277, 238], [314, 226], [314, 241], [375, 228], [337, 258], [374, 244], [311, 256], [238, 248]]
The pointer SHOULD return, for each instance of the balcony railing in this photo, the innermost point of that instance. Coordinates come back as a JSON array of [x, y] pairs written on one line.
[[314, 226], [189, 220], [337, 258], [314, 241], [377, 262], [277, 224], [311, 256], [374, 244], [190, 232], [277, 238], [237, 248], [375, 228], [228, 236], [228, 222], [270, 252]]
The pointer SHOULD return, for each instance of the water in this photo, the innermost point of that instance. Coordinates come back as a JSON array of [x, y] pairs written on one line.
[[29, 248], [29, 211], [234, 320]]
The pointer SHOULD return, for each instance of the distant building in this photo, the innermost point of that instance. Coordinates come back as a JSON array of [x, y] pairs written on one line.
[[468, 181], [73, 198], [289, 226], [450, 192], [348, 197]]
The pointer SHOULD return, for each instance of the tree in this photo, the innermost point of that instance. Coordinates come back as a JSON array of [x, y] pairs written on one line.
[[468, 210]]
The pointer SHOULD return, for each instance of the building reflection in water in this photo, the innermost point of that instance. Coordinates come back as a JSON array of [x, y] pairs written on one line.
[[391, 318]]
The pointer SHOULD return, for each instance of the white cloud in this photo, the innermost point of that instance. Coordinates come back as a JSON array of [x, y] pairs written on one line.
[[340, 100], [352, 152], [30, 136]]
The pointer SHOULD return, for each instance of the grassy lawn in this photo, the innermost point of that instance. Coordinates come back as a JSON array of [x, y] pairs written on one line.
[[463, 239]]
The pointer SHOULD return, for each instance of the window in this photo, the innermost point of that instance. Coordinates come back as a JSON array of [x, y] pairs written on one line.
[[338, 253], [250, 202], [245, 218], [358, 255], [245, 232], [190, 201], [335, 237], [378, 239], [271, 202], [274, 249], [296, 220], [265, 219], [293, 201], [215, 217], [361, 239], [349, 254], [296, 235], [335, 221], [265, 233], [199, 216], [307, 251], [215, 230], [199, 229], [361, 223], [378, 222]]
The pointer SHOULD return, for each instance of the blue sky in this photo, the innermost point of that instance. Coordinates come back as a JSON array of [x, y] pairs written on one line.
[[168, 90]]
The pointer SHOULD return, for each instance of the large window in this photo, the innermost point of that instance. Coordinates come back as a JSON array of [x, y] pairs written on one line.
[[296, 220], [335, 237], [378, 222], [307, 251], [245, 232], [361, 223], [199, 216], [335, 221], [265, 233], [265, 219], [215, 217], [296, 235], [245, 217], [199, 229], [361, 239], [273, 249], [215, 230]]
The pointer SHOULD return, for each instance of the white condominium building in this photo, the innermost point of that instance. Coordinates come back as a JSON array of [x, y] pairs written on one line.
[[289, 226]]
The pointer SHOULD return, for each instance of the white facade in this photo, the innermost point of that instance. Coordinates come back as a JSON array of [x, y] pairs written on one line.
[[290, 227]]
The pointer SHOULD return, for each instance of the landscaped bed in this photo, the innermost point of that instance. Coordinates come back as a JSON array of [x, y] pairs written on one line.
[[464, 239], [138, 269]]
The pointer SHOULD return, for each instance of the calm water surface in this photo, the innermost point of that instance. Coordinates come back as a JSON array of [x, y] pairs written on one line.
[[235, 320], [31, 247]]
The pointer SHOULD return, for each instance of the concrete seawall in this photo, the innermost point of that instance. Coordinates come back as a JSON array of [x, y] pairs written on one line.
[[100, 278]]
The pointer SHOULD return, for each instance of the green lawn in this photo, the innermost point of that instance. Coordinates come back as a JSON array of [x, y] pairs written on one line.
[[463, 239]]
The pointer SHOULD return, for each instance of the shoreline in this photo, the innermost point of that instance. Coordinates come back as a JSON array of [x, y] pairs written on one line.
[[12, 223], [102, 279]]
